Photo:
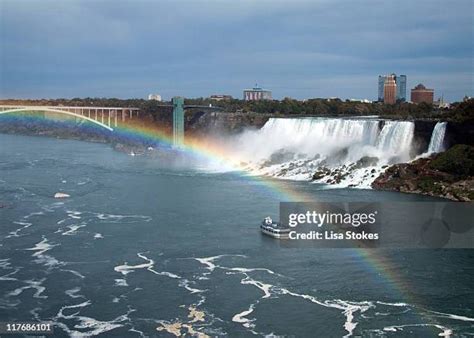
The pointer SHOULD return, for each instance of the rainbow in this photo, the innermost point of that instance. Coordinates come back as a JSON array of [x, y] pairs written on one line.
[[380, 266]]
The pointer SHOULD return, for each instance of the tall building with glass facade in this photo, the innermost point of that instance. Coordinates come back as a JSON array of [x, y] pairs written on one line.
[[381, 82], [401, 87], [401, 82]]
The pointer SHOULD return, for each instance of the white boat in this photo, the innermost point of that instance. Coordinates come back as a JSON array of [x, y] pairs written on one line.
[[274, 229]]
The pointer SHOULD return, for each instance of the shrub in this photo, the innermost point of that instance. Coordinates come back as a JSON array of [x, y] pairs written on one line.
[[458, 160]]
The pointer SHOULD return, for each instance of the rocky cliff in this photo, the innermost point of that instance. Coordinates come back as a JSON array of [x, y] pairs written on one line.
[[220, 122], [449, 175]]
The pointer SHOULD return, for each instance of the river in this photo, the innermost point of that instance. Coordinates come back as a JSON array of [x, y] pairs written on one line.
[[141, 249]]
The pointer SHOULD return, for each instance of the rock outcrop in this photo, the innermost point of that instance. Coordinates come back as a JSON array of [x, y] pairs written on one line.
[[449, 175]]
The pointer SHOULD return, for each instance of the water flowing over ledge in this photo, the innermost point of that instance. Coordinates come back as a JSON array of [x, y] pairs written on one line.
[[342, 152]]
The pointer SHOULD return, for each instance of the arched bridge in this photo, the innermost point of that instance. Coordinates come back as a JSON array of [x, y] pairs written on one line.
[[106, 117]]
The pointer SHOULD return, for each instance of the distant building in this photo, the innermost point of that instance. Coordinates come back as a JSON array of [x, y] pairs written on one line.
[[156, 97], [401, 82], [440, 103], [422, 94], [401, 87], [380, 87], [360, 100], [218, 97], [390, 90], [256, 94]]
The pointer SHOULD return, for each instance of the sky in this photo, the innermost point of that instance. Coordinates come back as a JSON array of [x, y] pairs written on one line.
[[299, 49]]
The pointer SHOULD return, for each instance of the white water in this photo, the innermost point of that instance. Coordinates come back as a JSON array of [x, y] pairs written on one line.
[[296, 148], [437, 138]]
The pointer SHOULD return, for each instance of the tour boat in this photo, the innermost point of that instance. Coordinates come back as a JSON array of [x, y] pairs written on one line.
[[274, 229]]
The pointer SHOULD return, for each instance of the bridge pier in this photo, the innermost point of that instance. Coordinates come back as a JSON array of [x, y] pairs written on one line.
[[178, 121]]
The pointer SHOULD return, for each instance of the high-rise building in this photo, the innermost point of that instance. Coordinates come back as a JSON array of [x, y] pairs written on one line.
[[390, 90], [401, 87], [422, 94], [256, 94], [401, 82], [381, 82]]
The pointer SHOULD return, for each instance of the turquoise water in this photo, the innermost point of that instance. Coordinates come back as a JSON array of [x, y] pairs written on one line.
[[140, 249]]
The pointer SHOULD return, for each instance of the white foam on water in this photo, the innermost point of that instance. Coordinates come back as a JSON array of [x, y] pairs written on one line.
[[73, 292], [185, 283], [24, 225], [87, 326], [87, 180], [42, 258], [74, 272], [399, 304], [110, 218], [445, 332], [348, 308], [126, 269], [98, 236], [452, 316], [121, 282], [38, 213], [73, 229], [30, 284], [241, 318], [208, 261], [41, 247], [6, 265], [74, 214], [266, 288], [8, 277]]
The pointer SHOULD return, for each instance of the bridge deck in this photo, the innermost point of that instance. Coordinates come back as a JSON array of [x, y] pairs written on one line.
[[67, 107]]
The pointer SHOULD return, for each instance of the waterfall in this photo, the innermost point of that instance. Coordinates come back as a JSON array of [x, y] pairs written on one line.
[[338, 151], [306, 136], [437, 138], [357, 149], [327, 137], [395, 139]]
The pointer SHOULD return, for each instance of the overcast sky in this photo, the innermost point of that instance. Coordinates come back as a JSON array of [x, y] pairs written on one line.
[[300, 49]]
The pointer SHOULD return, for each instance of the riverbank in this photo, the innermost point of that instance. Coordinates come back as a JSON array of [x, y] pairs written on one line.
[[360, 173], [448, 175]]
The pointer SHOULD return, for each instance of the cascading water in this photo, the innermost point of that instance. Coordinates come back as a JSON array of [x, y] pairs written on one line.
[[347, 152], [395, 139], [437, 138]]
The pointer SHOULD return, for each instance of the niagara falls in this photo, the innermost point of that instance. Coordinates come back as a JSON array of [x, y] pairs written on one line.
[[218, 168]]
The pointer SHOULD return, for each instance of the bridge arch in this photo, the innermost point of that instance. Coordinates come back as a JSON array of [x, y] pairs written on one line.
[[52, 110]]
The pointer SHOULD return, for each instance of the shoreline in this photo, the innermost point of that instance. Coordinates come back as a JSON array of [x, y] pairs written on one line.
[[402, 177]]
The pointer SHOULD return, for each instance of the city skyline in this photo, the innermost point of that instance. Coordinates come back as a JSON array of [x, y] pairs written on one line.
[[299, 49]]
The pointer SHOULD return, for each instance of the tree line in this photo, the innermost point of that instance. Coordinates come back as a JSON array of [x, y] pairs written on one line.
[[460, 111]]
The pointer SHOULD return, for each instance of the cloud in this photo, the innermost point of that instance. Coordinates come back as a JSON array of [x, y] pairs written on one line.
[[194, 48]]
